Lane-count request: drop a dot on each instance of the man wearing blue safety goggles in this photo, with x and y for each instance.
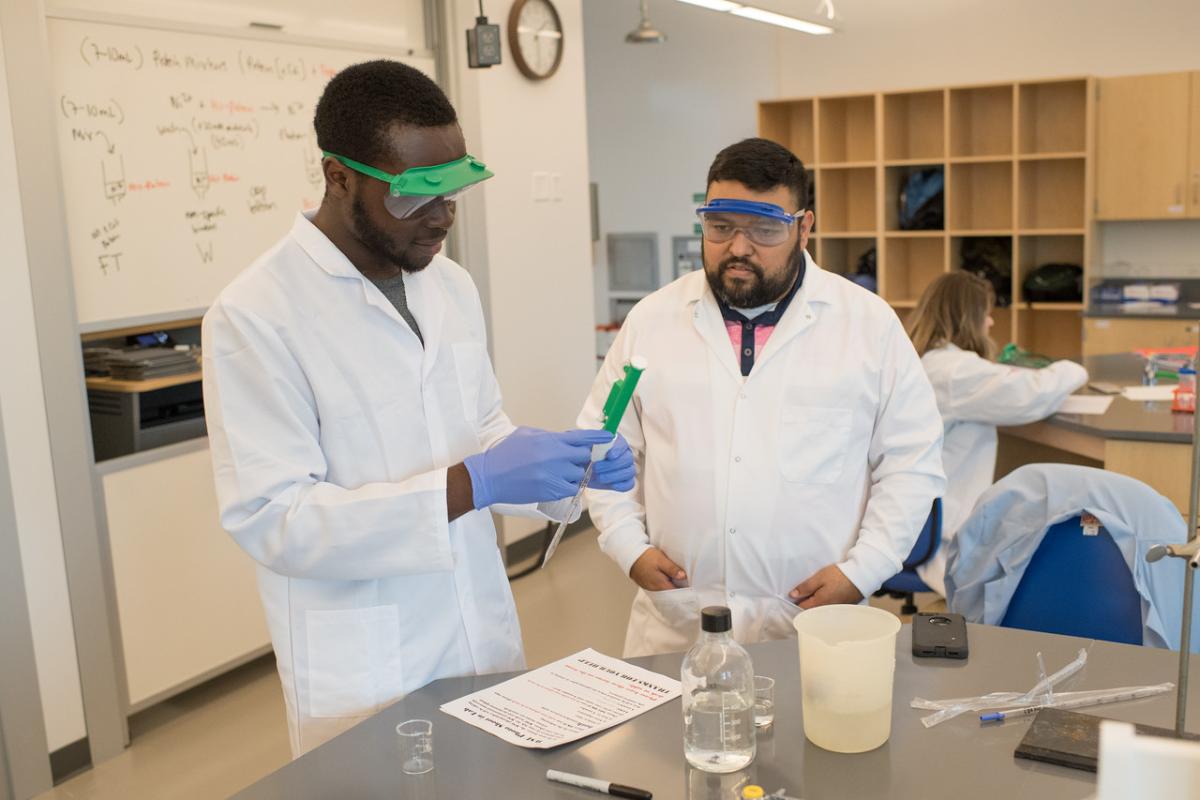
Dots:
(359, 444)
(788, 442)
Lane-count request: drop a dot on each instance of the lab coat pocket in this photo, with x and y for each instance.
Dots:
(353, 660)
(812, 443)
(676, 607)
(470, 362)
(780, 619)
(765, 619)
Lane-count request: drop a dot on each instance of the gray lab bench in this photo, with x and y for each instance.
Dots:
(960, 758)
(1144, 440)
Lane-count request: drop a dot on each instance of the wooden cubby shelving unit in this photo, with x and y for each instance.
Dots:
(1017, 159)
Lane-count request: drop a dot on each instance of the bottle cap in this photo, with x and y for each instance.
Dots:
(716, 619)
(752, 792)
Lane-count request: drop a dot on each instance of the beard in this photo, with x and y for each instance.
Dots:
(377, 241)
(756, 290)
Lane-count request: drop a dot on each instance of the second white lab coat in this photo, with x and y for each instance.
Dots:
(975, 395)
(332, 428)
(827, 453)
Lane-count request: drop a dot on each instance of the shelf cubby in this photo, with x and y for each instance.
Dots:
(1052, 116)
(1051, 194)
(1052, 332)
(981, 196)
(1017, 165)
(911, 264)
(846, 201)
(1034, 251)
(981, 121)
(893, 181)
(840, 254)
(846, 130)
(960, 252)
(914, 126)
(904, 311)
(1002, 329)
(790, 123)
(811, 205)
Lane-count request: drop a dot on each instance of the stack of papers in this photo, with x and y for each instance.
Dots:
(1089, 404)
(564, 701)
(1149, 393)
(95, 359)
(144, 363)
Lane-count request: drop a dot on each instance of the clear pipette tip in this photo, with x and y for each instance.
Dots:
(576, 507)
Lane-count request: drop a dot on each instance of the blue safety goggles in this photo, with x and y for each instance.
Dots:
(764, 224)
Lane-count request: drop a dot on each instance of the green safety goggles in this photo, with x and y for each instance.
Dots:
(415, 190)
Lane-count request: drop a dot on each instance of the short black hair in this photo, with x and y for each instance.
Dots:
(362, 101)
(761, 165)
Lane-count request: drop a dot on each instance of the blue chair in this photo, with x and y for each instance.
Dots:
(907, 583)
(1078, 585)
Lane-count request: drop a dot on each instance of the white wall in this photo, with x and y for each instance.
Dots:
(658, 113)
(1159, 249)
(22, 407)
(531, 259)
(887, 44)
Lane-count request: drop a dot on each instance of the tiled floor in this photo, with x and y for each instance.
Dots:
(220, 737)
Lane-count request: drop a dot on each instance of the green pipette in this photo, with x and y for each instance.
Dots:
(614, 408)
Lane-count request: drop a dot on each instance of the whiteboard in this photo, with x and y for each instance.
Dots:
(185, 156)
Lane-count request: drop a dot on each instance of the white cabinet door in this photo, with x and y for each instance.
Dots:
(186, 593)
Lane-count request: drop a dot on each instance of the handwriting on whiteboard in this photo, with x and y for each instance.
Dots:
(185, 155)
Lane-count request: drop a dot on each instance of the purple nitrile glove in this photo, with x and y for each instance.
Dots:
(615, 471)
(532, 466)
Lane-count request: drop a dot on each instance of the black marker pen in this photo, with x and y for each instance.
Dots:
(614, 789)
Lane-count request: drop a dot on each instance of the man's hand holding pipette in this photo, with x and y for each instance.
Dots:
(532, 466)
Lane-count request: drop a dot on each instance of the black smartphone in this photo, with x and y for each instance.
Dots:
(941, 635)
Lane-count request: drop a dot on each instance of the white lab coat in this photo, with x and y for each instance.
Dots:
(331, 430)
(975, 395)
(827, 453)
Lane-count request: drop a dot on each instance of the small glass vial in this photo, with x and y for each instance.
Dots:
(718, 697)
(1185, 393)
(1187, 379)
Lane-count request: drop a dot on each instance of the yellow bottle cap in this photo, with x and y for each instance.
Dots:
(752, 792)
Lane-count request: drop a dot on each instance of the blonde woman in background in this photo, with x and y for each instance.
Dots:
(949, 329)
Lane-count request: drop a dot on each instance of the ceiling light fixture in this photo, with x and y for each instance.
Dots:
(645, 33)
(762, 15)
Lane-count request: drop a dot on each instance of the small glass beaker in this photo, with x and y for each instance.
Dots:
(416, 746)
(764, 701)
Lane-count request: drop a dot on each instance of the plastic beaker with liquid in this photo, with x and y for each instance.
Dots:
(847, 667)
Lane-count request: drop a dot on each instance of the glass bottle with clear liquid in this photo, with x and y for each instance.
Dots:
(718, 697)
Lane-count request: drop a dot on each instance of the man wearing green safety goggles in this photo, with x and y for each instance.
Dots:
(358, 439)
(418, 189)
